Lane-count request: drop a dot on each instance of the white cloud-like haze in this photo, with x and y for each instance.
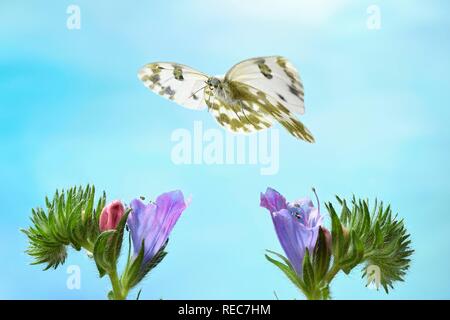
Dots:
(312, 13)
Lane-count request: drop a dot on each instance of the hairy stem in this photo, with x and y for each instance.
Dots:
(118, 292)
(332, 273)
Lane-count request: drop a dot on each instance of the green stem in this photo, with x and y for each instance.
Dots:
(322, 291)
(332, 273)
(118, 292)
(129, 251)
(317, 293)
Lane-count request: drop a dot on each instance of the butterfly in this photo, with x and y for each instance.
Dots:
(251, 95)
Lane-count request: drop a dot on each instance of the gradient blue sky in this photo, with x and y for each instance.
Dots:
(72, 111)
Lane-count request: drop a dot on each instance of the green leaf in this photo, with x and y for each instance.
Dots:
(102, 252)
(377, 238)
(108, 245)
(337, 235)
(287, 270)
(68, 219)
(131, 273)
(285, 260)
(321, 256)
(136, 270)
(355, 254)
(156, 260)
(111, 295)
(308, 273)
(345, 212)
(378, 235)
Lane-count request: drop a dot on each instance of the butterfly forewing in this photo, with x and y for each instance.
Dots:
(176, 82)
(275, 76)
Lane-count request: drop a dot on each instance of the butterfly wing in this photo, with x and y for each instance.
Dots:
(273, 84)
(269, 108)
(176, 82)
(275, 76)
(240, 116)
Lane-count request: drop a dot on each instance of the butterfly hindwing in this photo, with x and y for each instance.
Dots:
(275, 76)
(176, 82)
(240, 116)
(271, 108)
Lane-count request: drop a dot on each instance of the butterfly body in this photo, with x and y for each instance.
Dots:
(220, 88)
(252, 94)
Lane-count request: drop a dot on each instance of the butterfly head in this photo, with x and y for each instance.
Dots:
(214, 83)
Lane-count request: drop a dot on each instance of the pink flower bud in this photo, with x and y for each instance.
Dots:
(111, 215)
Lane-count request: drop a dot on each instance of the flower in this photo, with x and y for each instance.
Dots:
(296, 224)
(153, 223)
(111, 215)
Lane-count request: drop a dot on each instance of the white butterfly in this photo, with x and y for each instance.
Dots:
(252, 93)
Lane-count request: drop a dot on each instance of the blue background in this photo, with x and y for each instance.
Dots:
(72, 111)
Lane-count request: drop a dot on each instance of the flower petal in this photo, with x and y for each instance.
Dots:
(304, 203)
(294, 237)
(139, 222)
(272, 200)
(314, 218)
(169, 207)
(308, 215)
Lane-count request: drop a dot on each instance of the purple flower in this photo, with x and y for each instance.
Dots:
(296, 224)
(154, 222)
